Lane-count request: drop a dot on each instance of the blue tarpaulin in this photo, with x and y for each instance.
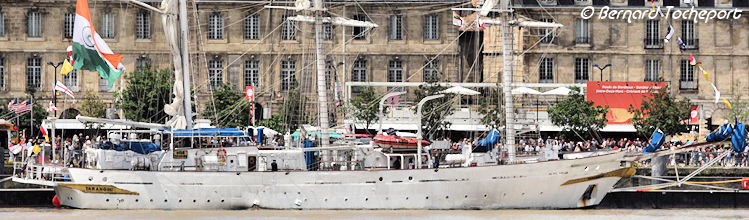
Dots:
(208, 132)
(135, 146)
(738, 139)
(490, 139)
(725, 132)
(656, 141)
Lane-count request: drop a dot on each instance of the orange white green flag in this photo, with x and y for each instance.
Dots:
(90, 52)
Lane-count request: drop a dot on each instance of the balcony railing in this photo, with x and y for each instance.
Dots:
(653, 43)
(582, 40)
(690, 44)
(687, 85)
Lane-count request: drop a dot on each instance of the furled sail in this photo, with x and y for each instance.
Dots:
(169, 20)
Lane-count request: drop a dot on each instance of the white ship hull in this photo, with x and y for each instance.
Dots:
(554, 184)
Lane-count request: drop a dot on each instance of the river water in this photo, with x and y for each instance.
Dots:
(629, 214)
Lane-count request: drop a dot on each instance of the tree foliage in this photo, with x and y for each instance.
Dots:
(662, 111)
(435, 111)
(231, 105)
(290, 115)
(146, 93)
(578, 118)
(491, 109)
(365, 107)
(92, 106)
(740, 107)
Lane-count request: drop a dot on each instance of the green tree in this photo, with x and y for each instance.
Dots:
(434, 112)
(491, 109)
(145, 95)
(275, 122)
(578, 118)
(231, 106)
(662, 111)
(92, 106)
(365, 107)
(290, 115)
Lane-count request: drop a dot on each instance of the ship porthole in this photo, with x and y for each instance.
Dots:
(208, 201)
(586, 168)
(447, 197)
(427, 197)
(326, 199)
(406, 197)
(465, 196)
(410, 178)
(345, 199)
(485, 195)
(380, 179)
(165, 200)
(151, 200)
(194, 200)
(386, 198)
(284, 193)
(107, 200)
(136, 200)
(180, 200)
(366, 199)
(222, 201)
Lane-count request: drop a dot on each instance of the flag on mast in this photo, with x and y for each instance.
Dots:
(51, 107)
(43, 128)
(62, 88)
(480, 23)
(692, 61)
(90, 52)
(457, 20)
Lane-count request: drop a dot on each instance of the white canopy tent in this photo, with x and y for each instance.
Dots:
(558, 91)
(460, 91)
(525, 90)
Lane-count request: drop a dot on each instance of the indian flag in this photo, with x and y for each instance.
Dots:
(90, 52)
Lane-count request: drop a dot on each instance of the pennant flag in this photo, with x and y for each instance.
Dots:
(652, 2)
(457, 20)
(661, 12)
(90, 52)
(480, 23)
(717, 93)
(704, 73)
(51, 107)
(670, 33)
(66, 67)
(23, 107)
(727, 103)
(682, 46)
(62, 88)
(43, 128)
(692, 61)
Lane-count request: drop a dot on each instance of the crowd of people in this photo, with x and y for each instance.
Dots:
(531, 145)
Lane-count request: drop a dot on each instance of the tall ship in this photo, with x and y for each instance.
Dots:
(178, 166)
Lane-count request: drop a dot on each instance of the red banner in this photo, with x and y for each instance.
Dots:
(693, 115)
(619, 96)
(250, 95)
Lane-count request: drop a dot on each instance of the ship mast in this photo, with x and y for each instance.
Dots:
(507, 79)
(322, 94)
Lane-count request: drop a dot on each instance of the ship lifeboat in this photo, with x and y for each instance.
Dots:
(398, 142)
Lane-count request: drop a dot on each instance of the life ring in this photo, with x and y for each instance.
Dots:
(221, 153)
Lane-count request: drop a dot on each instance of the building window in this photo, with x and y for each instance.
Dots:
(396, 27)
(546, 70)
(328, 74)
(359, 74)
(252, 73)
(431, 71)
(547, 34)
(688, 35)
(582, 34)
(395, 74)
(652, 32)
(2, 73)
(215, 73)
(34, 72)
(143, 25)
(327, 32)
(652, 68)
(142, 63)
(582, 70)
(431, 27)
(288, 74)
(686, 79)
(2, 24)
(360, 33)
(107, 25)
(34, 24)
(252, 27)
(215, 26)
(103, 85)
(68, 25)
(71, 80)
(288, 31)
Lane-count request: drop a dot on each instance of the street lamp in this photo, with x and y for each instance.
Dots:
(602, 68)
(54, 94)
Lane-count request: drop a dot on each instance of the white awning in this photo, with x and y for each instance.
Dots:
(608, 128)
(75, 124)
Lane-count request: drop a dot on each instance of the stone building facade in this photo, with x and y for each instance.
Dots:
(236, 42)
(636, 50)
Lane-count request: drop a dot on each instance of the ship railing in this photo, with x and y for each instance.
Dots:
(30, 170)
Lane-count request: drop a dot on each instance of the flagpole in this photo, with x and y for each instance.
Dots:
(31, 124)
